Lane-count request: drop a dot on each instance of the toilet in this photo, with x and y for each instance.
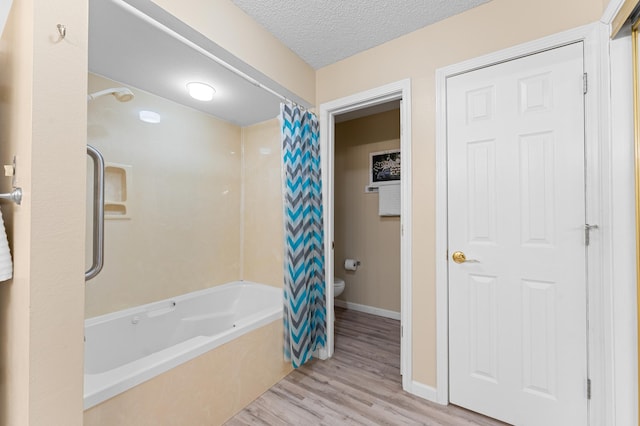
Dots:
(338, 286)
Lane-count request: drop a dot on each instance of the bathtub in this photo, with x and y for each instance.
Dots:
(128, 347)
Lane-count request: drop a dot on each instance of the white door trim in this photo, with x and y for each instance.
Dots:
(624, 242)
(611, 11)
(393, 91)
(598, 198)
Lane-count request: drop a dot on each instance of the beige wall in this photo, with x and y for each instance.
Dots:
(233, 30)
(43, 122)
(495, 25)
(207, 390)
(16, 75)
(184, 230)
(263, 236)
(359, 232)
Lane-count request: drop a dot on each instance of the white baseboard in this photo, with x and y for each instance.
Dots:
(423, 391)
(321, 353)
(367, 309)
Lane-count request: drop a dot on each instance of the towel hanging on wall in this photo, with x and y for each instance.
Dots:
(6, 266)
(389, 200)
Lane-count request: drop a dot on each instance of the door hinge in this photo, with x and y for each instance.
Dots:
(587, 233)
(585, 84)
(588, 388)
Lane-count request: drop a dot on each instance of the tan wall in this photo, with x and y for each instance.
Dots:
(359, 232)
(263, 236)
(184, 230)
(207, 390)
(233, 30)
(495, 25)
(16, 75)
(43, 117)
(43, 122)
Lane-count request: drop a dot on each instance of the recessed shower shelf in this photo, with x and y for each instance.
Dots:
(116, 209)
(117, 188)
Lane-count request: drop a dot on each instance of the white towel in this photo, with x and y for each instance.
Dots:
(6, 267)
(389, 201)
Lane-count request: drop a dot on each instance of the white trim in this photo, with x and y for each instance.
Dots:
(611, 11)
(622, 220)
(367, 309)
(400, 90)
(598, 202)
(321, 353)
(423, 391)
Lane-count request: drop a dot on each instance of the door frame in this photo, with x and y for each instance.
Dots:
(598, 210)
(400, 90)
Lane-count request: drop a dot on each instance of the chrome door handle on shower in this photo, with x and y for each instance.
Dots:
(98, 213)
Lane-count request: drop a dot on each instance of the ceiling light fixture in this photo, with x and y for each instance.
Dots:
(200, 91)
(149, 117)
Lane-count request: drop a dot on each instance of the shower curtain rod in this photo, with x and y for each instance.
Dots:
(203, 51)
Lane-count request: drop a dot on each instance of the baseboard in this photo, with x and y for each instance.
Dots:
(321, 353)
(423, 391)
(367, 309)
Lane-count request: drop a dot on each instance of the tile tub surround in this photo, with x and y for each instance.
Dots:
(207, 390)
(175, 241)
(126, 348)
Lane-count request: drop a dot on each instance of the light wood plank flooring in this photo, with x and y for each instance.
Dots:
(359, 385)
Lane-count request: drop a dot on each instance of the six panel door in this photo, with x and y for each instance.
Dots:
(516, 203)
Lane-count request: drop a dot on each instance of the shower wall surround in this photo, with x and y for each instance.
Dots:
(263, 239)
(184, 229)
(205, 208)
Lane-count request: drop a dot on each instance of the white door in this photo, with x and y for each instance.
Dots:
(516, 203)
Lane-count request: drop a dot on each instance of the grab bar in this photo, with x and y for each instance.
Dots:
(98, 213)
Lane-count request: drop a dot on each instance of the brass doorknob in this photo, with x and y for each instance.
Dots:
(459, 257)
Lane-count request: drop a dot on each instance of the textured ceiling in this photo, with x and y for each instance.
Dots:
(322, 32)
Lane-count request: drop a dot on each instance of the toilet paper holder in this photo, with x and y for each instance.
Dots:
(351, 264)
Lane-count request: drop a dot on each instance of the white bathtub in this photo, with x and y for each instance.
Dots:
(126, 348)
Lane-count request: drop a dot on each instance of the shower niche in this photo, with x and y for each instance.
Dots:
(117, 187)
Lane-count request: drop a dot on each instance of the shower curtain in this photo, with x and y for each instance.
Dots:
(304, 281)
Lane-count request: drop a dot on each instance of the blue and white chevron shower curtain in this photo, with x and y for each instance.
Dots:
(304, 283)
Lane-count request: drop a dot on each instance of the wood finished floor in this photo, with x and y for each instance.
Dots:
(359, 385)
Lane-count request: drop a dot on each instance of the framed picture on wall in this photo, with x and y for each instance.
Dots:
(384, 167)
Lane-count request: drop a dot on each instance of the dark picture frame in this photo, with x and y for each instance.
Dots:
(384, 167)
